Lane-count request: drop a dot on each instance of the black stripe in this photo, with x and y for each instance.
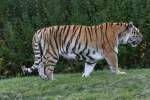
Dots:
(51, 56)
(54, 56)
(55, 38)
(75, 45)
(37, 58)
(76, 41)
(118, 23)
(67, 34)
(34, 38)
(44, 42)
(90, 58)
(52, 47)
(52, 62)
(39, 31)
(35, 44)
(62, 39)
(102, 36)
(44, 30)
(88, 52)
(89, 33)
(101, 32)
(90, 63)
(32, 68)
(96, 38)
(83, 57)
(94, 52)
(86, 42)
(106, 35)
(80, 30)
(52, 31)
(37, 63)
(112, 24)
(74, 28)
(59, 37)
(40, 47)
(70, 41)
(79, 46)
(57, 30)
(121, 24)
(88, 55)
(64, 29)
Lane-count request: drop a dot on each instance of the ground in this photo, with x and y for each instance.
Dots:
(101, 85)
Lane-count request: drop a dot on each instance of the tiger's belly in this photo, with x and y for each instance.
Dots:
(97, 56)
(88, 55)
(69, 56)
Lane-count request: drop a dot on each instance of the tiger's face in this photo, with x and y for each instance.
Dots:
(132, 35)
(135, 37)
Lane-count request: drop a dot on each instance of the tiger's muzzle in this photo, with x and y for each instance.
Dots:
(135, 40)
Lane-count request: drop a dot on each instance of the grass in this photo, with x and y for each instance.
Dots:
(101, 85)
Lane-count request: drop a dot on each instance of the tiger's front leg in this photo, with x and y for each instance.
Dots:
(112, 60)
(88, 69)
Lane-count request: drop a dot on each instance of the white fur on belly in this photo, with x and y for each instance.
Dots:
(97, 55)
(69, 56)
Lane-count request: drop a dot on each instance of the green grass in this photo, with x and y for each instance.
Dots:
(101, 85)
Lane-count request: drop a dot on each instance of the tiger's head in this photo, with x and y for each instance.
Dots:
(131, 35)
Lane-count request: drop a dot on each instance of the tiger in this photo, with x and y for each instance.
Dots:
(88, 43)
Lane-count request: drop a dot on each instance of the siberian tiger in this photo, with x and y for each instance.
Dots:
(89, 43)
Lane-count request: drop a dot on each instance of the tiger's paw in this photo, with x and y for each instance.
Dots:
(44, 77)
(121, 73)
(85, 75)
(118, 72)
(49, 73)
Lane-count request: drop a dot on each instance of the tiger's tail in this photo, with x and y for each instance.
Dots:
(37, 49)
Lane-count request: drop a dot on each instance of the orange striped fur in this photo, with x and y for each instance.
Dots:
(90, 43)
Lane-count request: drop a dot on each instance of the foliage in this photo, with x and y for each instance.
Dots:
(101, 85)
(19, 19)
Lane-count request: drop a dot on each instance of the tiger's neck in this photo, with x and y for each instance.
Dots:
(119, 30)
(108, 35)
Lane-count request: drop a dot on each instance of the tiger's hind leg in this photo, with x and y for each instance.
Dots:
(49, 64)
(41, 71)
(88, 69)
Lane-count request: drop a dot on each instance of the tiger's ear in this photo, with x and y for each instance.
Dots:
(130, 25)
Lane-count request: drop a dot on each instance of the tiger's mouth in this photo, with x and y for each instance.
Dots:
(136, 43)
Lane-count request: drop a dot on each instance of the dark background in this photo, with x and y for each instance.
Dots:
(19, 19)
